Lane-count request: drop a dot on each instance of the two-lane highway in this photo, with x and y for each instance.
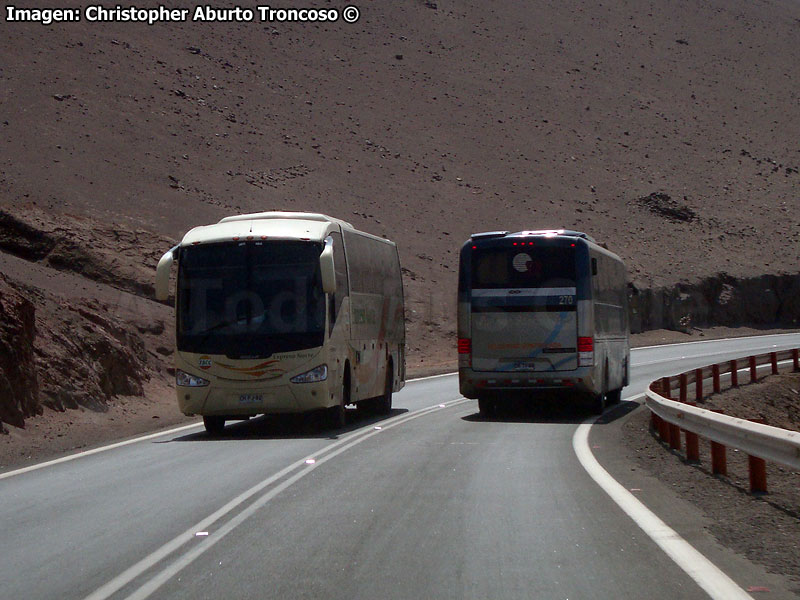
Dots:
(434, 502)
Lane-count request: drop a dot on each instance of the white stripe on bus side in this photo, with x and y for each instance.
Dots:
(483, 293)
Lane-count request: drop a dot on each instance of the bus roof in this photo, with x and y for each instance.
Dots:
(274, 214)
(272, 225)
(537, 232)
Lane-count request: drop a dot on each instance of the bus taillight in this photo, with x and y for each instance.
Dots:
(585, 351)
(465, 352)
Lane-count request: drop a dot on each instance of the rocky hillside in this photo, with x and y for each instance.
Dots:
(666, 128)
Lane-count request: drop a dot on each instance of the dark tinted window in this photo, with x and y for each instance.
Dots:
(373, 266)
(609, 293)
(340, 264)
(523, 267)
(250, 298)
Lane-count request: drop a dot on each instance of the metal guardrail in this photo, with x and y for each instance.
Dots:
(759, 441)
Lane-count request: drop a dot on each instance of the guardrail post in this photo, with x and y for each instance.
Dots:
(692, 444)
(753, 375)
(665, 387)
(684, 383)
(758, 475)
(655, 422)
(715, 378)
(719, 459)
(719, 455)
(692, 447)
(734, 374)
(698, 384)
(663, 430)
(674, 437)
(757, 468)
(796, 359)
(773, 358)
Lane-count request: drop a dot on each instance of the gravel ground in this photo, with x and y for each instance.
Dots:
(763, 527)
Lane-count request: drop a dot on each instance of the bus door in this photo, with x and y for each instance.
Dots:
(523, 306)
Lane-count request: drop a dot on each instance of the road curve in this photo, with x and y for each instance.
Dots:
(433, 502)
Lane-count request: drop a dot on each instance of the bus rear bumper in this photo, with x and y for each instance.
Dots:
(474, 384)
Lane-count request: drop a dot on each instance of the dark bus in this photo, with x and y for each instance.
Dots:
(541, 311)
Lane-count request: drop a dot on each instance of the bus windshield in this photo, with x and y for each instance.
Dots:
(250, 299)
(523, 267)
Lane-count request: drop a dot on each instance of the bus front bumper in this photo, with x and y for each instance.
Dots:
(242, 400)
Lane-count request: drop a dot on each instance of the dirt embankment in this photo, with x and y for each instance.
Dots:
(121, 257)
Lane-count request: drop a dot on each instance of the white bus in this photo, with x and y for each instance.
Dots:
(541, 313)
(283, 312)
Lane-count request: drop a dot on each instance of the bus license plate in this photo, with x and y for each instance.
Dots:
(526, 365)
(250, 398)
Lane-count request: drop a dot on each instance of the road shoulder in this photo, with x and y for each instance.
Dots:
(713, 515)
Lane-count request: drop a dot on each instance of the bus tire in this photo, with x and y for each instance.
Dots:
(615, 396)
(599, 403)
(487, 406)
(383, 404)
(366, 407)
(336, 417)
(214, 425)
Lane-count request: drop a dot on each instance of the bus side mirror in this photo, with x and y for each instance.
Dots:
(162, 274)
(327, 269)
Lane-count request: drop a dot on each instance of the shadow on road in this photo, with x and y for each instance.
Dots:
(266, 427)
(543, 411)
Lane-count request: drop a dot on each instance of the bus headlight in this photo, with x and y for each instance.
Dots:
(184, 379)
(316, 374)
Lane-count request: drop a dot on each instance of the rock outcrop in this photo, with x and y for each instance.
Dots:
(121, 257)
(19, 387)
(761, 301)
(86, 356)
(65, 353)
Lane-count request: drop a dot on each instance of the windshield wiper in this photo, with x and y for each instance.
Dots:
(207, 333)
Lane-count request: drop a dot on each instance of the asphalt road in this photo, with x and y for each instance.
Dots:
(433, 502)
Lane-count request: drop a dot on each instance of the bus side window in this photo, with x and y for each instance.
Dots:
(594, 266)
(342, 287)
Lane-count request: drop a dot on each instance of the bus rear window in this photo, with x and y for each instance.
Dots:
(523, 267)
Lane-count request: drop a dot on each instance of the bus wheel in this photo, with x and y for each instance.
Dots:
(365, 407)
(383, 405)
(599, 403)
(487, 406)
(214, 425)
(614, 396)
(336, 415)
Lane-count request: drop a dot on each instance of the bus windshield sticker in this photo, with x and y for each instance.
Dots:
(522, 262)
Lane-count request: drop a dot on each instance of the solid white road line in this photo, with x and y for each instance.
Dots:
(306, 466)
(705, 573)
(70, 457)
